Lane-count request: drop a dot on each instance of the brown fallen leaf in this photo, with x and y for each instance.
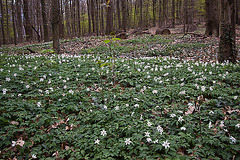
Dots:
(190, 111)
(15, 122)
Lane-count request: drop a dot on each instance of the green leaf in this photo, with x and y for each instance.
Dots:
(107, 41)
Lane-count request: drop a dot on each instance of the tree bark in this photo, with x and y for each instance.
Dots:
(61, 23)
(102, 18)
(227, 44)
(19, 21)
(141, 13)
(212, 19)
(89, 17)
(78, 19)
(173, 13)
(2, 22)
(7, 19)
(27, 24)
(92, 15)
(73, 17)
(97, 17)
(164, 15)
(44, 19)
(13, 23)
(160, 19)
(67, 17)
(118, 14)
(109, 17)
(55, 24)
(154, 12)
(124, 15)
(238, 12)
(186, 18)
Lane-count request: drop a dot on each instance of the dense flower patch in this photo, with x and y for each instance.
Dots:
(100, 107)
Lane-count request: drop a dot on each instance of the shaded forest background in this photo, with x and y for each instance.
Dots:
(31, 20)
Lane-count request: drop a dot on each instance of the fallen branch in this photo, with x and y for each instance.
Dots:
(32, 51)
(194, 34)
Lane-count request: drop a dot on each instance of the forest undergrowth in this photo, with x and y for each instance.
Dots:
(146, 97)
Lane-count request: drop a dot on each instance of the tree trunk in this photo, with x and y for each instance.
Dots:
(67, 18)
(61, 23)
(97, 17)
(118, 14)
(212, 19)
(7, 19)
(141, 14)
(124, 15)
(13, 23)
(2, 22)
(27, 24)
(78, 19)
(19, 21)
(109, 17)
(227, 44)
(92, 15)
(55, 24)
(160, 19)
(186, 16)
(164, 15)
(238, 12)
(173, 13)
(102, 18)
(89, 17)
(154, 12)
(44, 19)
(73, 18)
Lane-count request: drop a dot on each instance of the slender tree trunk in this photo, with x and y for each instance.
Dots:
(118, 14)
(109, 17)
(141, 14)
(7, 19)
(177, 11)
(227, 44)
(238, 12)
(173, 13)
(97, 17)
(92, 15)
(124, 15)
(154, 12)
(44, 19)
(164, 15)
(146, 15)
(73, 17)
(135, 14)
(102, 18)
(19, 21)
(55, 24)
(61, 24)
(212, 19)
(67, 17)
(2, 22)
(160, 18)
(13, 23)
(89, 17)
(191, 10)
(186, 18)
(78, 19)
(27, 24)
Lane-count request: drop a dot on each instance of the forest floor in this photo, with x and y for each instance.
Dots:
(145, 97)
(193, 45)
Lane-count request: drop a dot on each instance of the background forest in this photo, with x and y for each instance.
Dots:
(30, 20)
